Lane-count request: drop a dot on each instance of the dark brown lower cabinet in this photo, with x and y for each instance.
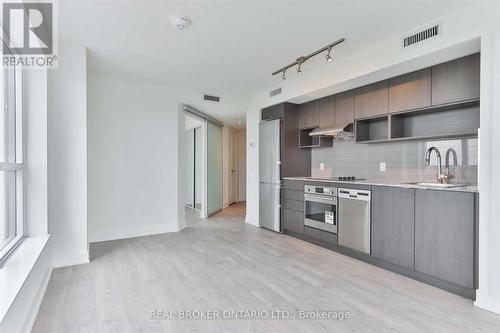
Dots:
(293, 221)
(444, 235)
(323, 236)
(393, 225)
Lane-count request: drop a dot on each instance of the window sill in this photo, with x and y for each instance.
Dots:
(17, 268)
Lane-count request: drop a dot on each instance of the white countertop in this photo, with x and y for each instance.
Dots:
(469, 188)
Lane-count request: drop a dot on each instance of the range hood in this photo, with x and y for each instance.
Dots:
(337, 131)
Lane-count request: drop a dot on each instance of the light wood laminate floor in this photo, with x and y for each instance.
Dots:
(222, 263)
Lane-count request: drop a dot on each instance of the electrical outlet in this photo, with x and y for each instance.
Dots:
(382, 166)
(322, 166)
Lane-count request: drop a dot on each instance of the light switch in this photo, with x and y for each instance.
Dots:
(382, 166)
(322, 166)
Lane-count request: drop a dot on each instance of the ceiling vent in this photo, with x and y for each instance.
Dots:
(211, 98)
(421, 36)
(275, 92)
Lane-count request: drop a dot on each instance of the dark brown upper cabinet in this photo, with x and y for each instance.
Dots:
(327, 111)
(371, 100)
(273, 111)
(344, 107)
(410, 91)
(456, 80)
(309, 114)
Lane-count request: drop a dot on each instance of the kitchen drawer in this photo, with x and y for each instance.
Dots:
(293, 221)
(294, 195)
(294, 205)
(321, 235)
(297, 185)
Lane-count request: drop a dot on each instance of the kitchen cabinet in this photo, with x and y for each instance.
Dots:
(371, 100)
(410, 91)
(295, 185)
(293, 221)
(295, 162)
(324, 237)
(309, 114)
(293, 206)
(456, 80)
(393, 233)
(327, 111)
(273, 112)
(444, 235)
(344, 107)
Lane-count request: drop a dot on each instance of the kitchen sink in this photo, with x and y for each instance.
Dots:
(438, 185)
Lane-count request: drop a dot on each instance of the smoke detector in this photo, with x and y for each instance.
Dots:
(180, 22)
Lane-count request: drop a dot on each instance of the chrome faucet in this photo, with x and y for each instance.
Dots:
(440, 177)
(447, 162)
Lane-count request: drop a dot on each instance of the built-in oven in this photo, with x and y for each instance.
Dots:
(320, 207)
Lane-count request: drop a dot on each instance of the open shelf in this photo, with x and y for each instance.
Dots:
(461, 120)
(373, 129)
(307, 141)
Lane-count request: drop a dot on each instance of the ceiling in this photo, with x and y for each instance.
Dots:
(231, 46)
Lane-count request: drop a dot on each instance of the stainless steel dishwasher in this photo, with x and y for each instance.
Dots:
(354, 219)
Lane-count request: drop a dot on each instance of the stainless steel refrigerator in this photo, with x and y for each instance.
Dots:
(270, 174)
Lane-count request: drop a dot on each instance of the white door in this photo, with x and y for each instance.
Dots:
(232, 162)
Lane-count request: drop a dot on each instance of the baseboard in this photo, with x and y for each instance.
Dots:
(488, 299)
(70, 259)
(107, 235)
(251, 222)
(37, 303)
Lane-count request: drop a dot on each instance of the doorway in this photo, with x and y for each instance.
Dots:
(194, 161)
(202, 164)
(234, 168)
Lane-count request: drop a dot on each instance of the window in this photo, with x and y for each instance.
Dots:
(11, 162)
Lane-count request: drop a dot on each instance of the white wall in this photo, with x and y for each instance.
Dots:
(67, 156)
(133, 155)
(242, 157)
(462, 32)
(488, 295)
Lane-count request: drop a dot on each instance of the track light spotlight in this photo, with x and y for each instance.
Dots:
(328, 56)
(300, 61)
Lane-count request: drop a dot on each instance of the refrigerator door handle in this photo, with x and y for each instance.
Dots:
(277, 172)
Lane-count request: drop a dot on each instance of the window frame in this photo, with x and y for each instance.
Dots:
(14, 160)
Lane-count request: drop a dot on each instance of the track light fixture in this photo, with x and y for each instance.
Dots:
(328, 55)
(303, 59)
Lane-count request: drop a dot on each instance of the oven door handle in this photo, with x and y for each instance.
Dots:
(320, 199)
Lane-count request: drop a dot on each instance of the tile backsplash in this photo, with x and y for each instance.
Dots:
(405, 161)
